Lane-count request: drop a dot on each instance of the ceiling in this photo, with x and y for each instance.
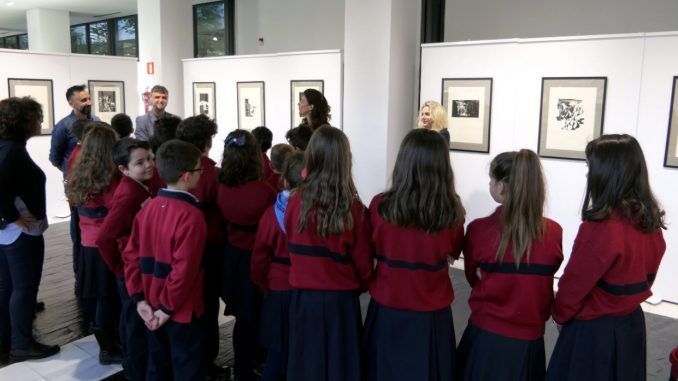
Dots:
(13, 12)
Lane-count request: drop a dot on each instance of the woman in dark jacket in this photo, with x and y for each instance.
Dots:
(22, 222)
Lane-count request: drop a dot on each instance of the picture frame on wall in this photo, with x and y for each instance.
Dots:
(251, 105)
(108, 98)
(204, 99)
(571, 115)
(671, 153)
(468, 103)
(297, 88)
(42, 91)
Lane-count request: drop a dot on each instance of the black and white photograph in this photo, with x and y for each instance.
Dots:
(251, 112)
(671, 154)
(108, 98)
(572, 111)
(297, 88)
(204, 99)
(465, 108)
(468, 102)
(41, 90)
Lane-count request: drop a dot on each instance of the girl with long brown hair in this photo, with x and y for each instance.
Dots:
(91, 187)
(614, 262)
(510, 258)
(328, 235)
(418, 228)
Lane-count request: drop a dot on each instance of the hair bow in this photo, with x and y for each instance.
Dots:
(238, 141)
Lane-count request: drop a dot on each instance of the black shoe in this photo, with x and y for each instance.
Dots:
(215, 372)
(36, 351)
(108, 357)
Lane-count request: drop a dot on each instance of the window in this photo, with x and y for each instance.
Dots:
(15, 42)
(213, 29)
(117, 37)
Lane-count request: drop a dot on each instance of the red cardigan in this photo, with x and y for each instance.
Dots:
(412, 266)
(510, 301)
(610, 271)
(270, 268)
(241, 208)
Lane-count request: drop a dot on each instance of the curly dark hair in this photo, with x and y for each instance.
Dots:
(164, 129)
(94, 167)
(264, 136)
(242, 159)
(197, 130)
(298, 137)
(19, 117)
(320, 114)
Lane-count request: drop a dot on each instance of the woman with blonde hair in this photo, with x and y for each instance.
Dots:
(433, 116)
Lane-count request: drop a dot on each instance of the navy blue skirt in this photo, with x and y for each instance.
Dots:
(606, 348)
(241, 295)
(325, 330)
(484, 355)
(408, 345)
(275, 322)
(94, 279)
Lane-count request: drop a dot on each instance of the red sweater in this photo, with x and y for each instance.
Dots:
(164, 255)
(270, 260)
(412, 265)
(674, 363)
(510, 301)
(274, 180)
(338, 262)
(267, 165)
(241, 208)
(92, 215)
(610, 271)
(128, 199)
(206, 193)
(72, 158)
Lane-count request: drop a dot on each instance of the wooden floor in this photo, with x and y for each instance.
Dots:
(63, 320)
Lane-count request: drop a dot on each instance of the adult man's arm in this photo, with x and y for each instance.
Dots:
(58, 145)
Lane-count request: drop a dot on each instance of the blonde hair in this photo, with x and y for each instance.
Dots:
(438, 114)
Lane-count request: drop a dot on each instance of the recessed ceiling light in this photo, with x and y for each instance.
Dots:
(9, 3)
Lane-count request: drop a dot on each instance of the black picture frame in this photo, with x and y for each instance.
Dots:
(45, 98)
(212, 106)
(242, 102)
(295, 85)
(671, 152)
(100, 110)
(461, 128)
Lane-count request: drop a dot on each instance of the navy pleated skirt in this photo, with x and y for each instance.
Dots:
(274, 326)
(408, 345)
(94, 279)
(325, 331)
(241, 295)
(606, 348)
(484, 355)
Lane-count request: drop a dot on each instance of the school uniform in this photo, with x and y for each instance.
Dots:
(610, 272)
(241, 208)
(327, 274)
(267, 165)
(96, 283)
(270, 272)
(206, 193)
(275, 180)
(163, 267)
(504, 339)
(409, 333)
(129, 198)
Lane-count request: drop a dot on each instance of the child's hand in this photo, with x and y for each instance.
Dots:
(161, 318)
(145, 311)
(24, 221)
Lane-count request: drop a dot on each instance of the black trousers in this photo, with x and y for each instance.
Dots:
(20, 274)
(175, 350)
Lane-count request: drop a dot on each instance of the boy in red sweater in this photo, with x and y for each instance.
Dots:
(162, 267)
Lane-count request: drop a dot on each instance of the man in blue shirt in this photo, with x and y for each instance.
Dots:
(63, 140)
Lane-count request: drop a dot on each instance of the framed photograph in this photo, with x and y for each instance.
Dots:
(671, 154)
(108, 98)
(251, 105)
(468, 102)
(42, 91)
(296, 91)
(571, 115)
(204, 99)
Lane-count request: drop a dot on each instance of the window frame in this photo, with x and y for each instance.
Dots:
(111, 25)
(3, 44)
(229, 26)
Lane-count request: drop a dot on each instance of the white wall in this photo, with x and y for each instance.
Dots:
(276, 70)
(288, 26)
(64, 70)
(491, 19)
(639, 69)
